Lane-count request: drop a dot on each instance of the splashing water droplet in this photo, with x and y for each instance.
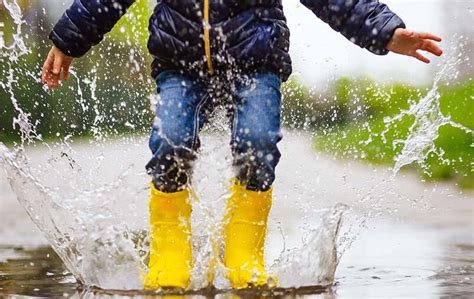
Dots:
(428, 119)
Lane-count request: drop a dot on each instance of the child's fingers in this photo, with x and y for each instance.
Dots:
(47, 69)
(427, 35)
(420, 57)
(58, 63)
(66, 73)
(66, 67)
(431, 47)
(57, 66)
(50, 79)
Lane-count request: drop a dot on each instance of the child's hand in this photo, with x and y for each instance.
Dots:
(55, 62)
(407, 42)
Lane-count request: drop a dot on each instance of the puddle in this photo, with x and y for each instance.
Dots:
(428, 258)
(34, 272)
(391, 260)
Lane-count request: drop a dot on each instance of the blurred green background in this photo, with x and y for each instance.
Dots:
(108, 101)
(359, 136)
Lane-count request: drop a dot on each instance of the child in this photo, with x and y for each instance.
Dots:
(205, 52)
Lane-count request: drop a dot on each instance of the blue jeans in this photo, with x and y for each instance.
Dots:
(184, 104)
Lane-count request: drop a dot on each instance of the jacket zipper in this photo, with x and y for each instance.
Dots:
(207, 42)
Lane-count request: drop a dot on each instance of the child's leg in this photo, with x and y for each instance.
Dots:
(256, 132)
(174, 138)
(173, 142)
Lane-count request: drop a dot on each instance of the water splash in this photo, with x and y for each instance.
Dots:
(91, 205)
(320, 267)
(13, 52)
(18, 47)
(428, 119)
(84, 223)
(71, 191)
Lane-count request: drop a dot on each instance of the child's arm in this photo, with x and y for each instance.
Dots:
(82, 26)
(372, 25)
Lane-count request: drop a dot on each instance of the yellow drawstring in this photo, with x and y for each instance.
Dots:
(207, 42)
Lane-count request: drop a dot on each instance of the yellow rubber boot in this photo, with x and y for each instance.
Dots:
(170, 260)
(245, 230)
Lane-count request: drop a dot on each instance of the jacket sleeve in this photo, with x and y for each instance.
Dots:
(84, 24)
(367, 23)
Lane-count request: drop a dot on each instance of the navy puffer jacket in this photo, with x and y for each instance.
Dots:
(212, 36)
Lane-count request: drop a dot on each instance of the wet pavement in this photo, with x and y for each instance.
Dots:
(422, 246)
(411, 262)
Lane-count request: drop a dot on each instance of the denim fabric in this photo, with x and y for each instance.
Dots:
(183, 108)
